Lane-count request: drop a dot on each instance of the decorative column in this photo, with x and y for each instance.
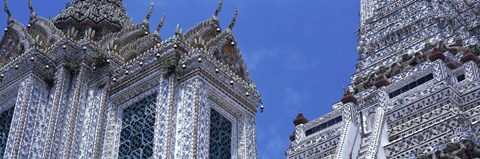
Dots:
(377, 132)
(164, 119)
(441, 71)
(56, 99)
(93, 124)
(18, 120)
(375, 138)
(202, 127)
(343, 143)
(80, 103)
(57, 142)
(100, 127)
(75, 104)
(112, 127)
(31, 99)
(187, 125)
(349, 112)
(37, 115)
(251, 137)
(471, 71)
(299, 135)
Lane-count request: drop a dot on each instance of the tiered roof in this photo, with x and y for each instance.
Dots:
(105, 27)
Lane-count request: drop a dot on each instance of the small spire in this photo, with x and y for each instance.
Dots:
(219, 8)
(232, 24)
(177, 28)
(32, 11)
(149, 14)
(5, 7)
(160, 25)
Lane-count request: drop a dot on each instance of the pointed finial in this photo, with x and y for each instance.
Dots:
(300, 119)
(160, 25)
(149, 14)
(32, 11)
(178, 31)
(232, 24)
(219, 8)
(5, 7)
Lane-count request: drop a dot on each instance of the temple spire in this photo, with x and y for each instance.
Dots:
(149, 14)
(32, 11)
(5, 7)
(160, 25)
(219, 8)
(232, 24)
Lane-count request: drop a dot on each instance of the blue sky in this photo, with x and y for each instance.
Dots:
(300, 53)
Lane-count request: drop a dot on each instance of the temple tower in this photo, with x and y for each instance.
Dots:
(89, 83)
(414, 94)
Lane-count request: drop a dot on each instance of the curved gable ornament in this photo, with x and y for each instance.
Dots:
(15, 40)
(225, 50)
(206, 30)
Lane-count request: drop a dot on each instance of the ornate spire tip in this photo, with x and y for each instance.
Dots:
(149, 14)
(234, 20)
(219, 8)
(160, 25)
(5, 7)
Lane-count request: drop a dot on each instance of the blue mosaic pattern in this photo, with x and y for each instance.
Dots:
(220, 136)
(136, 138)
(5, 121)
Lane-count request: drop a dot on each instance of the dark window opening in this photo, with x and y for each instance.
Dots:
(323, 125)
(220, 136)
(461, 78)
(411, 85)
